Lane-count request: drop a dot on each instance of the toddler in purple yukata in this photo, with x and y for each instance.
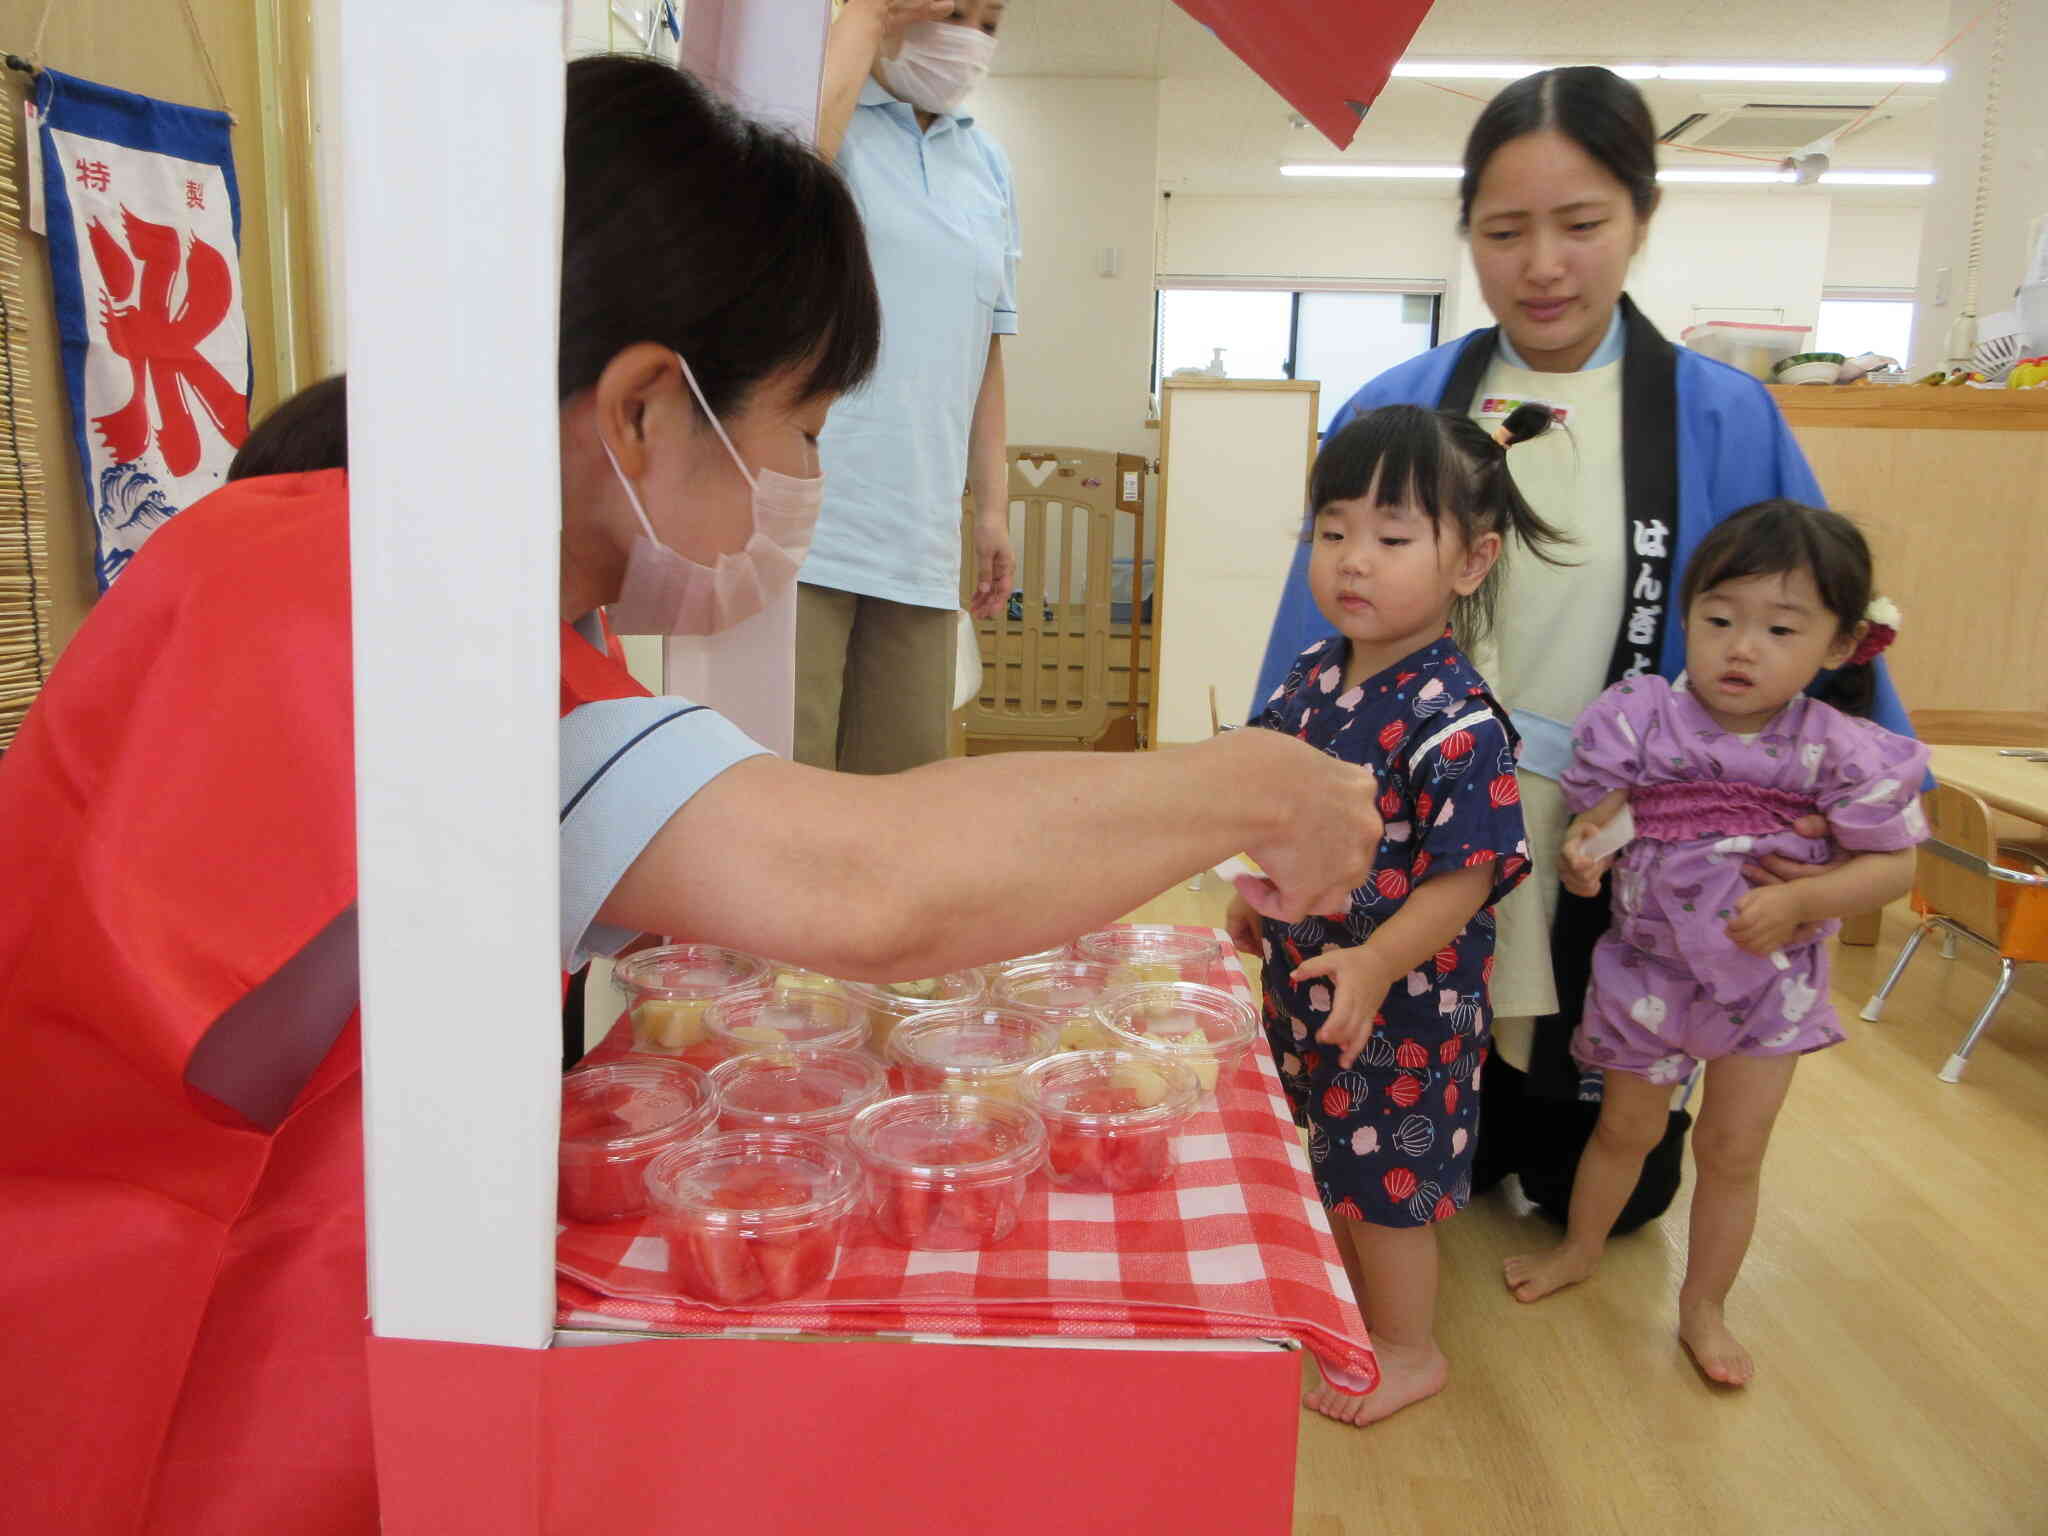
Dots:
(1699, 966)
(1377, 1017)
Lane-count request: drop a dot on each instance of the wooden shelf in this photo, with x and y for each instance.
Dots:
(1912, 406)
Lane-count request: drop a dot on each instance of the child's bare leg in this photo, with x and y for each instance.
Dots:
(1394, 1270)
(1743, 1096)
(1634, 1113)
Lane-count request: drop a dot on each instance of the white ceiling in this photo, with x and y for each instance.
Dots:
(1223, 131)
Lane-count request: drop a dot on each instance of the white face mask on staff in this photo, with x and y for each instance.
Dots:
(667, 593)
(939, 65)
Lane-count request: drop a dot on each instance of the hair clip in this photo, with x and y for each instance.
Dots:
(1883, 617)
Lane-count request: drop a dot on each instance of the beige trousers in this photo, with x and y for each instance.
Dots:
(874, 681)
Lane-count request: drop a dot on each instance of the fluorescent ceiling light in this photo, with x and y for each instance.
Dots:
(1777, 74)
(1759, 178)
(1376, 172)
(1684, 175)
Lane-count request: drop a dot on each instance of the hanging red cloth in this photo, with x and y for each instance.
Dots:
(1330, 61)
(182, 1348)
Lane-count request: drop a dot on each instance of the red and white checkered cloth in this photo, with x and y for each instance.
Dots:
(1237, 1246)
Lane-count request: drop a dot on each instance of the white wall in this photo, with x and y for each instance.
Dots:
(2018, 164)
(1084, 153)
(1381, 238)
(1874, 246)
(1720, 250)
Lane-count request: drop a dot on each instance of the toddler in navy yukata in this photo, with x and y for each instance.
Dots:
(1378, 1018)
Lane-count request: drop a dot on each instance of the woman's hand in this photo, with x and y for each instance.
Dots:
(995, 564)
(896, 15)
(1322, 848)
(1242, 924)
(1769, 918)
(1776, 869)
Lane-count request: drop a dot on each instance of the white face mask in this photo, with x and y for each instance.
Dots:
(939, 65)
(666, 593)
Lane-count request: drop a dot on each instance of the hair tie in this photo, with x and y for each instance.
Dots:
(1883, 617)
(1504, 437)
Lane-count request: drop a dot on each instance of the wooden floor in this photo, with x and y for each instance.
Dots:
(1896, 1299)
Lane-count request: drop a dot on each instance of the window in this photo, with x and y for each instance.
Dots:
(1865, 324)
(1341, 337)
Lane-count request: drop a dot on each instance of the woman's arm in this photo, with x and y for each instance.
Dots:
(851, 48)
(1768, 917)
(988, 476)
(976, 859)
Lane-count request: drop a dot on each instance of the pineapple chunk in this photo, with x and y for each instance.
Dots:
(795, 983)
(760, 1034)
(1142, 1083)
(927, 988)
(1083, 1034)
(671, 1024)
(1143, 973)
(1192, 1049)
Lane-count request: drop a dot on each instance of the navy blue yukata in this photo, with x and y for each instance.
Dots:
(1391, 1138)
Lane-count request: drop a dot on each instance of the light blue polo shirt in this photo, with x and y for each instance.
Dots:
(942, 236)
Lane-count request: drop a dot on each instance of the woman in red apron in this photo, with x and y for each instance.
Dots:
(181, 1223)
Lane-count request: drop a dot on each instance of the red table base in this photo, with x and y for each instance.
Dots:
(832, 1436)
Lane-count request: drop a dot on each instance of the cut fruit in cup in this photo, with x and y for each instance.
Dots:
(670, 990)
(771, 1021)
(753, 1217)
(1205, 1029)
(887, 1005)
(813, 1089)
(1146, 954)
(947, 1171)
(1111, 1117)
(615, 1118)
(983, 1049)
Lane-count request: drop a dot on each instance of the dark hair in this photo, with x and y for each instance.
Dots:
(687, 224)
(1449, 466)
(1783, 536)
(307, 432)
(1593, 107)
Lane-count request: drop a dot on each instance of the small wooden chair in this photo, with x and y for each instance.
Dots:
(1967, 886)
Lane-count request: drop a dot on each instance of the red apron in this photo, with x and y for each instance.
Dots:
(183, 1289)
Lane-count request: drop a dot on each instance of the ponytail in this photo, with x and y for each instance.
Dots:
(1498, 506)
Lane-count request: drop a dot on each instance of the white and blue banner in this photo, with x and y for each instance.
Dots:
(144, 223)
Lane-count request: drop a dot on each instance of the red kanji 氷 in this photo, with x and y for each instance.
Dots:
(195, 195)
(92, 175)
(162, 348)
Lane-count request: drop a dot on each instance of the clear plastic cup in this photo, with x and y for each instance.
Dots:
(947, 1170)
(1147, 953)
(812, 1089)
(615, 1118)
(1069, 992)
(753, 1216)
(1111, 1117)
(794, 981)
(982, 1050)
(768, 1021)
(670, 989)
(1204, 1028)
(888, 1004)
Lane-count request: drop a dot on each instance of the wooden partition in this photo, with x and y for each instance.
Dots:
(1951, 486)
(1234, 458)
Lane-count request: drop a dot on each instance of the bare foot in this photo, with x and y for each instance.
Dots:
(1533, 1276)
(1406, 1376)
(1714, 1349)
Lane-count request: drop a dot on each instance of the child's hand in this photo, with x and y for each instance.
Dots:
(1360, 986)
(1581, 875)
(1768, 918)
(1242, 923)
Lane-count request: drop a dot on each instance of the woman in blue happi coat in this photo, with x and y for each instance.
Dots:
(1660, 444)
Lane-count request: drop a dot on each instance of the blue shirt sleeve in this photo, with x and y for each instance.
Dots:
(1005, 321)
(627, 765)
(1467, 803)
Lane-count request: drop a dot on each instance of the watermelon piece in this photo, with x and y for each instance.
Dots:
(986, 1213)
(1074, 1157)
(591, 1189)
(904, 1212)
(795, 1264)
(1142, 1161)
(718, 1265)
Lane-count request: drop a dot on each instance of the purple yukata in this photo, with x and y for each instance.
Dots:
(1670, 989)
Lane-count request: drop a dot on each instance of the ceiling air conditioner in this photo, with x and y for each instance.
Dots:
(1776, 125)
